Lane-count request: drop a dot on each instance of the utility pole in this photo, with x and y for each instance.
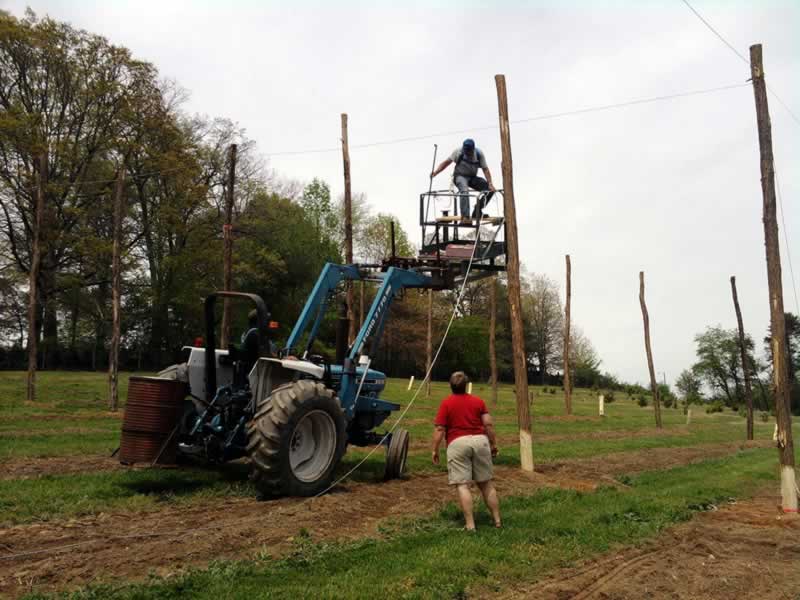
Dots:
(429, 345)
(227, 256)
(113, 355)
(348, 226)
(748, 392)
(777, 319)
(567, 381)
(653, 383)
(33, 282)
(514, 293)
(493, 336)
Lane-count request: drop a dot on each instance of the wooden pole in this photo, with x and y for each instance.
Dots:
(113, 355)
(748, 392)
(653, 382)
(493, 337)
(227, 257)
(429, 345)
(348, 226)
(780, 375)
(361, 307)
(514, 292)
(33, 281)
(567, 381)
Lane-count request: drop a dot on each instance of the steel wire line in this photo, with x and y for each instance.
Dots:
(741, 56)
(543, 117)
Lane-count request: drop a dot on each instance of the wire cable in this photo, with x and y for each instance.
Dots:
(543, 117)
(788, 247)
(741, 56)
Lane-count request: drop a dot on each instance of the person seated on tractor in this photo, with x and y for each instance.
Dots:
(468, 159)
(250, 348)
(471, 443)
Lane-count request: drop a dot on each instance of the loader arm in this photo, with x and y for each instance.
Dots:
(394, 280)
(317, 303)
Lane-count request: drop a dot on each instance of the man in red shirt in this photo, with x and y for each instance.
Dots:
(471, 444)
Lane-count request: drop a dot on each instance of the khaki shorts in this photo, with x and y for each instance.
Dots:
(469, 458)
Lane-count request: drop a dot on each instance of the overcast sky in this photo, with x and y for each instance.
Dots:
(671, 188)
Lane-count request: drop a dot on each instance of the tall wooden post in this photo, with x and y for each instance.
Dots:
(567, 381)
(493, 336)
(348, 226)
(361, 306)
(227, 257)
(33, 281)
(514, 293)
(748, 392)
(429, 345)
(653, 382)
(780, 375)
(113, 355)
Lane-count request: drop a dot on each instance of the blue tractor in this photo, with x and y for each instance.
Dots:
(292, 413)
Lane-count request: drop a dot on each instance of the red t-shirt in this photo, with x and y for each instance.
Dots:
(460, 414)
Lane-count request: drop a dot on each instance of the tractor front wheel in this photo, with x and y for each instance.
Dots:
(296, 439)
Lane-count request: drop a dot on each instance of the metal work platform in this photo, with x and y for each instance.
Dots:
(448, 240)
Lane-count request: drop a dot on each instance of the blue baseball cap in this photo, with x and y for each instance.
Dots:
(469, 145)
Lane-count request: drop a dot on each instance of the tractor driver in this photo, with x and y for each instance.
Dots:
(468, 159)
(471, 444)
(251, 347)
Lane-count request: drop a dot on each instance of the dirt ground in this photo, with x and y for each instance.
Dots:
(744, 550)
(71, 553)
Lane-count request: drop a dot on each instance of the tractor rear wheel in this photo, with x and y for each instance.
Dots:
(296, 439)
(396, 455)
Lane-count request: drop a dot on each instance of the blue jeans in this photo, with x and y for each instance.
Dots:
(464, 183)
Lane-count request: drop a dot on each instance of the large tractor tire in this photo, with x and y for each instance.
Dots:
(396, 455)
(296, 439)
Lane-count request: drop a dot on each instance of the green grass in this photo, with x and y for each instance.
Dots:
(432, 558)
(70, 418)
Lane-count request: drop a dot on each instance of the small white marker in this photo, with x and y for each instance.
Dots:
(410, 383)
(469, 387)
(601, 405)
(688, 416)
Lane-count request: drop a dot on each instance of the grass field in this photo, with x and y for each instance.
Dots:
(420, 556)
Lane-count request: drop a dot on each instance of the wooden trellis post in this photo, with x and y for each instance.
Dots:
(514, 293)
(748, 392)
(227, 253)
(33, 281)
(113, 355)
(567, 382)
(780, 363)
(653, 382)
(348, 227)
(493, 336)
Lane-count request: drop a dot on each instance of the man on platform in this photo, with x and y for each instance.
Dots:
(468, 159)
(471, 443)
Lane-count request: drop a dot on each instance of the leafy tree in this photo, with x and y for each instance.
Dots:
(376, 243)
(792, 357)
(719, 362)
(690, 386)
(544, 323)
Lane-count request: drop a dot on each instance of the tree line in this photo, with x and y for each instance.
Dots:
(718, 377)
(95, 110)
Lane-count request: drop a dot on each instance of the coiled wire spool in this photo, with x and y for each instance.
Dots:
(152, 413)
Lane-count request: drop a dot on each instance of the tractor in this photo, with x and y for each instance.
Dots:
(293, 414)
